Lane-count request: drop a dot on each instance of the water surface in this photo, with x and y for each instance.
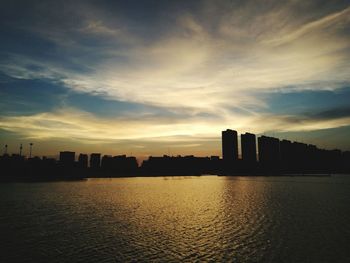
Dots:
(177, 219)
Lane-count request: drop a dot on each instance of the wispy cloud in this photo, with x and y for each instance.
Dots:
(329, 23)
(83, 126)
(198, 63)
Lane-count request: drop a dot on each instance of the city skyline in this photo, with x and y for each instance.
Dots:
(30, 149)
(247, 147)
(258, 156)
(150, 78)
(174, 130)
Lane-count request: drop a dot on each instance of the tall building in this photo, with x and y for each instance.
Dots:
(300, 155)
(286, 153)
(229, 145)
(83, 160)
(67, 158)
(248, 144)
(95, 160)
(269, 150)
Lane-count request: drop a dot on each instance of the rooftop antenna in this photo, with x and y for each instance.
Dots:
(20, 150)
(30, 149)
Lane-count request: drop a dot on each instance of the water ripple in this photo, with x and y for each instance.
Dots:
(200, 219)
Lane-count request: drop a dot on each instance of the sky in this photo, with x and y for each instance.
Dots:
(166, 77)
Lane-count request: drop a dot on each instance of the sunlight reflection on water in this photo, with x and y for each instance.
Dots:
(172, 219)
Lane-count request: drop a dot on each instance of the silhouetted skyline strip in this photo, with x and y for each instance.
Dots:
(270, 156)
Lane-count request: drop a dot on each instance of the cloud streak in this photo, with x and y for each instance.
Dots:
(83, 126)
(213, 60)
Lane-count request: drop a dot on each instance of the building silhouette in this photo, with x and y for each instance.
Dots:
(83, 160)
(95, 160)
(67, 158)
(119, 165)
(286, 155)
(345, 160)
(229, 145)
(107, 162)
(248, 145)
(269, 152)
(177, 165)
(275, 158)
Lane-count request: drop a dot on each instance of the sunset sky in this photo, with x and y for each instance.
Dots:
(165, 77)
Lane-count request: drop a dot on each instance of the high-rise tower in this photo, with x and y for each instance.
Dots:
(229, 145)
(248, 144)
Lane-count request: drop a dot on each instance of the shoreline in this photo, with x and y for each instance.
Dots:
(58, 179)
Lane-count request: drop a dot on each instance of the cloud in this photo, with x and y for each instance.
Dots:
(85, 127)
(335, 113)
(213, 61)
(192, 61)
(331, 22)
